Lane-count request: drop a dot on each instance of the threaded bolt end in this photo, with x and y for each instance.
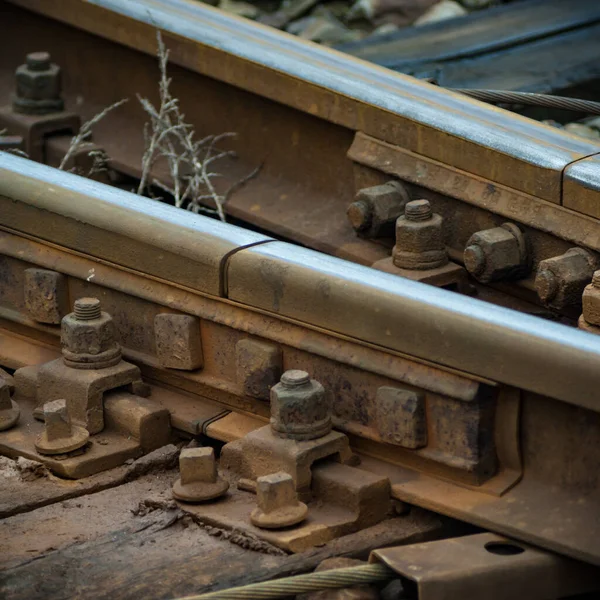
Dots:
(360, 214)
(38, 61)
(418, 210)
(474, 258)
(596, 279)
(546, 284)
(294, 378)
(87, 309)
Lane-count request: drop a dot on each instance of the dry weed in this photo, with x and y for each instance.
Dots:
(82, 139)
(190, 161)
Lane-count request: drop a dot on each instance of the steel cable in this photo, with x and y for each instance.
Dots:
(530, 99)
(299, 584)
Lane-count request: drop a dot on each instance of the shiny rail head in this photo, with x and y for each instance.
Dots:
(408, 103)
(118, 226)
(419, 320)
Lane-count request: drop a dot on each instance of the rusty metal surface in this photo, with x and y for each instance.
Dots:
(487, 566)
(359, 332)
(431, 388)
(408, 317)
(442, 177)
(294, 136)
(478, 138)
(581, 190)
(119, 226)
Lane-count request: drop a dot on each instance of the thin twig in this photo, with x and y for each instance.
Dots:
(85, 131)
(169, 137)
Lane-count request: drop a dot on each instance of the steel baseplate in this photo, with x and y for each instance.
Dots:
(341, 498)
(487, 566)
(134, 426)
(344, 500)
(94, 419)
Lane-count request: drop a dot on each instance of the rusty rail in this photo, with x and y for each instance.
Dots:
(507, 417)
(507, 398)
(323, 125)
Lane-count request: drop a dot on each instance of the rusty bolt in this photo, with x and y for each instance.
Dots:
(300, 409)
(591, 301)
(375, 209)
(9, 409)
(419, 238)
(278, 504)
(60, 435)
(560, 280)
(199, 480)
(88, 337)
(497, 253)
(38, 86)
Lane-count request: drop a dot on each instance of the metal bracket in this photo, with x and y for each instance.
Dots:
(487, 566)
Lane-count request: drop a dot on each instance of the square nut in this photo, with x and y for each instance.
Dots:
(400, 416)
(259, 367)
(178, 341)
(46, 296)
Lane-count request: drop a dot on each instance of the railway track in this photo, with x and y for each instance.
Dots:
(465, 408)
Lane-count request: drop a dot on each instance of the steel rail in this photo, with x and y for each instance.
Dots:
(356, 327)
(339, 88)
(418, 320)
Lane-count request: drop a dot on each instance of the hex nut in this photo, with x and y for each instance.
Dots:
(561, 280)
(300, 409)
(88, 337)
(497, 254)
(278, 504)
(60, 436)
(9, 409)
(419, 238)
(199, 480)
(375, 209)
(38, 85)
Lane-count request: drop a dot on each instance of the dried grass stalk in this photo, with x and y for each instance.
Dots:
(190, 161)
(82, 139)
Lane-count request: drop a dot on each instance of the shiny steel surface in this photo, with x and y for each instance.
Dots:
(309, 287)
(141, 232)
(478, 138)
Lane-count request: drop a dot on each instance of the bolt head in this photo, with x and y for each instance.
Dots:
(360, 213)
(199, 481)
(36, 84)
(57, 422)
(474, 258)
(197, 464)
(278, 504)
(376, 208)
(546, 285)
(496, 254)
(275, 491)
(591, 305)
